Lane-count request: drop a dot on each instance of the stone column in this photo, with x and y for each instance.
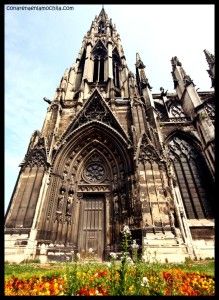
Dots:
(88, 66)
(107, 220)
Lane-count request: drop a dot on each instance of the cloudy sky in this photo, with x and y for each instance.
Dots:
(40, 44)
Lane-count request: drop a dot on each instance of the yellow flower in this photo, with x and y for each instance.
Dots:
(131, 288)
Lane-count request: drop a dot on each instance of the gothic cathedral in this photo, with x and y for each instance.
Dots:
(112, 153)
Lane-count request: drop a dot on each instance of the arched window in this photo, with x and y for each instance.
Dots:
(193, 178)
(101, 27)
(99, 54)
(98, 69)
(116, 66)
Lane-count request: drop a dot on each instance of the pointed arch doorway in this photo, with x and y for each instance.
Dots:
(95, 190)
(95, 174)
(92, 224)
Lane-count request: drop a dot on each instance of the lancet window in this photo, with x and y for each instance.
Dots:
(193, 179)
(99, 55)
(116, 66)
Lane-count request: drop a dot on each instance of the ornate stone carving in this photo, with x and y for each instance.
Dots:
(116, 205)
(59, 217)
(179, 147)
(175, 62)
(68, 207)
(187, 80)
(36, 154)
(36, 158)
(93, 188)
(68, 219)
(176, 111)
(147, 150)
(96, 110)
(210, 108)
(175, 80)
(60, 201)
(94, 172)
(148, 154)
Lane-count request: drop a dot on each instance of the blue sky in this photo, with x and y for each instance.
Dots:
(40, 45)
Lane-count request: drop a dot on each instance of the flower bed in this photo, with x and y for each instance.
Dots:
(102, 280)
(130, 276)
(35, 286)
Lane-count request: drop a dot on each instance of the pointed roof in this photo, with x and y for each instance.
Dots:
(96, 110)
(102, 14)
(99, 46)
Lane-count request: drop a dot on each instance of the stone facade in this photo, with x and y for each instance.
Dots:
(112, 153)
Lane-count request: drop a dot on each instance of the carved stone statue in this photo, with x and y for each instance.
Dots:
(123, 202)
(172, 219)
(187, 80)
(116, 204)
(60, 201)
(69, 205)
(175, 62)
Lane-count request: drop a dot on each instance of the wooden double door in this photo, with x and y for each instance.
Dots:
(91, 231)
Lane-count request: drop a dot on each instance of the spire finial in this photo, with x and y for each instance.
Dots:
(211, 63)
(175, 62)
(139, 62)
(103, 13)
(138, 56)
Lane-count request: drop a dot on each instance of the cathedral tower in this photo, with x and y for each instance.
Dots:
(110, 153)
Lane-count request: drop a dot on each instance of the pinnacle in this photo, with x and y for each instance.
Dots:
(139, 62)
(138, 57)
(209, 57)
(102, 14)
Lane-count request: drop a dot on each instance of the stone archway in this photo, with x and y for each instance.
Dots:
(96, 204)
(92, 175)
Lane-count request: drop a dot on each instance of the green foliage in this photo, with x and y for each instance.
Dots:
(72, 282)
(123, 277)
(29, 269)
(29, 261)
(117, 278)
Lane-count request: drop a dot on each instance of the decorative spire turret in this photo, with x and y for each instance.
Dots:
(139, 63)
(141, 77)
(209, 57)
(180, 78)
(211, 62)
(175, 62)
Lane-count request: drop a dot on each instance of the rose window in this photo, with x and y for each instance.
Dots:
(94, 172)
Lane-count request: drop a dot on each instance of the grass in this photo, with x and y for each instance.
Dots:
(27, 270)
(30, 269)
(116, 278)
